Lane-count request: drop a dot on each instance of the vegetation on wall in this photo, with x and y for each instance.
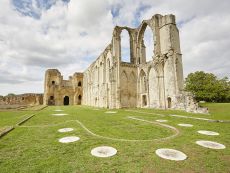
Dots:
(207, 87)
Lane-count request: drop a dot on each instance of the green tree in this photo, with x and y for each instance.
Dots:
(10, 95)
(207, 87)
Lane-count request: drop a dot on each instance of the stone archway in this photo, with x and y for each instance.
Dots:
(66, 100)
(141, 51)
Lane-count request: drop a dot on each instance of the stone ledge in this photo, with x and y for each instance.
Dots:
(5, 131)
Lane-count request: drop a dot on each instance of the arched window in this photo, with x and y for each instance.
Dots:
(143, 82)
(79, 83)
(53, 82)
(51, 97)
(149, 43)
(125, 46)
(145, 44)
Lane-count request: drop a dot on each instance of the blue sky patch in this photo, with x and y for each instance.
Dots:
(33, 8)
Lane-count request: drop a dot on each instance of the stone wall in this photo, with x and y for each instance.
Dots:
(30, 99)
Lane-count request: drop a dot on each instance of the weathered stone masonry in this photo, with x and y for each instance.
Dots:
(108, 82)
(62, 92)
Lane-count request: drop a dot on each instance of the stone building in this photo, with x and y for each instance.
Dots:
(62, 92)
(111, 83)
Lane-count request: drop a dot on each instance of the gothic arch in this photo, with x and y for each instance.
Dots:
(141, 52)
(127, 48)
(142, 82)
(124, 89)
(133, 77)
(153, 87)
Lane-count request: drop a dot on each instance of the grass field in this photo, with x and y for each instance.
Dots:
(34, 147)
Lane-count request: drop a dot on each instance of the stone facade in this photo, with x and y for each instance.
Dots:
(62, 92)
(111, 83)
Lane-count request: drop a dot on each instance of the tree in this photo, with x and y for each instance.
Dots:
(10, 95)
(207, 87)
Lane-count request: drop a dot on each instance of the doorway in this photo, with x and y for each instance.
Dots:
(79, 100)
(66, 100)
(169, 102)
(144, 100)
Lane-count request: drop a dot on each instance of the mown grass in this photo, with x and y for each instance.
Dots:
(10, 118)
(36, 149)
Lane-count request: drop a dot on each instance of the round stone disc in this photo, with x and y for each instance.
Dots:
(110, 112)
(162, 121)
(210, 144)
(205, 132)
(58, 110)
(171, 154)
(185, 125)
(69, 139)
(59, 114)
(65, 130)
(103, 151)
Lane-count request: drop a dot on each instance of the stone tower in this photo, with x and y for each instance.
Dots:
(62, 92)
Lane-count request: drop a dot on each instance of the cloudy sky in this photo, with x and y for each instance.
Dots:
(70, 34)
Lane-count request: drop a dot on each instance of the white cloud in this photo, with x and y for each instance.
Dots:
(70, 36)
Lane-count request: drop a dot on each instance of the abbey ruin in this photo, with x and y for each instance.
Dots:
(110, 83)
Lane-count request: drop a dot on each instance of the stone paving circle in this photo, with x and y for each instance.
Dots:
(65, 130)
(171, 154)
(162, 121)
(185, 125)
(69, 139)
(103, 151)
(206, 132)
(210, 144)
(59, 114)
(110, 112)
(58, 110)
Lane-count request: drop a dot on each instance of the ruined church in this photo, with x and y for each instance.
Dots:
(111, 83)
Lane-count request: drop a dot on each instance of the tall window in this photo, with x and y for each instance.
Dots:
(149, 43)
(125, 46)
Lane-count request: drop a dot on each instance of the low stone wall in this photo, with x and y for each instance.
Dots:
(21, 100)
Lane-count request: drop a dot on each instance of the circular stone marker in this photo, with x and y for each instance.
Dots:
(59, 114)
(162, 121)
(205, 132)
(210, 144)
(103, 151)
(96, 109)
(65, 130)
(58, 110)
(69, 139)
(170, 154)
(110, 112)
(185, 125)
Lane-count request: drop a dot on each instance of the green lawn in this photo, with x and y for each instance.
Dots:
(34, 146)
(8, 119)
